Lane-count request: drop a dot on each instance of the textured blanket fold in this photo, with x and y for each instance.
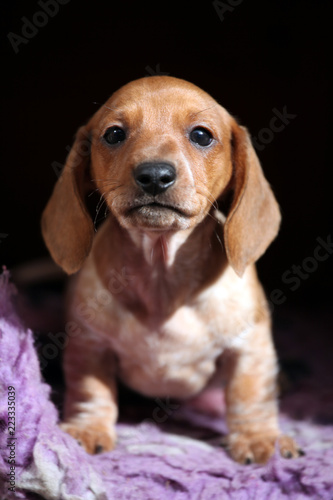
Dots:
(151, 461)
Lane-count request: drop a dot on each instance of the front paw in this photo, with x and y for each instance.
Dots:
(94, 436)
(248, 448)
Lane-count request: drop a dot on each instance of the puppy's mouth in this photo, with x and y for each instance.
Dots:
(157, 216)
(150, 208)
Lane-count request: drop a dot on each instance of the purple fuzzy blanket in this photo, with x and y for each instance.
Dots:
(175, 460)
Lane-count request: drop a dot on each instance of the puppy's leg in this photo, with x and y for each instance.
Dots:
(90, 404)
(251, 396)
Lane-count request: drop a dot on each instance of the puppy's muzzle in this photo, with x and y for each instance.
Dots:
(155, 177)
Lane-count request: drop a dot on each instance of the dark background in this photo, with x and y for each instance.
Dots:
(261, 56)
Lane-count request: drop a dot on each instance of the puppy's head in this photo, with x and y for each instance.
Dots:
(163, 154)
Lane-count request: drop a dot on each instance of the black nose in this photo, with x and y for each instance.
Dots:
(154, 178)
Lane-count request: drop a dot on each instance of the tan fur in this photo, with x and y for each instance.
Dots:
(166, 296)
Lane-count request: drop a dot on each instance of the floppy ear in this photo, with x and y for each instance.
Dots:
(66, 225)
(254, 216)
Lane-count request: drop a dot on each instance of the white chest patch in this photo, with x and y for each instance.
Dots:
(175, 360)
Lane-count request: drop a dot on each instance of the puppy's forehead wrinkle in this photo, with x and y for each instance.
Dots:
(205, 109)
(159, 105)
(125, 115)
(105, 106)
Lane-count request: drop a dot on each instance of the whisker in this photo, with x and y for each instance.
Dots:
(213, 217)
(101, 201)
(92, 192)
(163, 252)
(104, 106)
(106, 211)
(208, 195)
(110, 191)
(98, 208)
(206, 109)
(213, 203)
(152, 255)
(106, 184)
(219, 239)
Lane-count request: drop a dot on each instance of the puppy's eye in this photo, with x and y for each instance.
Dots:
(201, 136)
(114, 135)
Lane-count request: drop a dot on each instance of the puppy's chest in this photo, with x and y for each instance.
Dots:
(173, 355)
(176, 358)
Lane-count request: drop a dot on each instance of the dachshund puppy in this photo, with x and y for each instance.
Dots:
(167, 297)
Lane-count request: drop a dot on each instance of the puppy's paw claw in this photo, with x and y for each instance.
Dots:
(288, 447)
(93, 437)
(249, 448)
